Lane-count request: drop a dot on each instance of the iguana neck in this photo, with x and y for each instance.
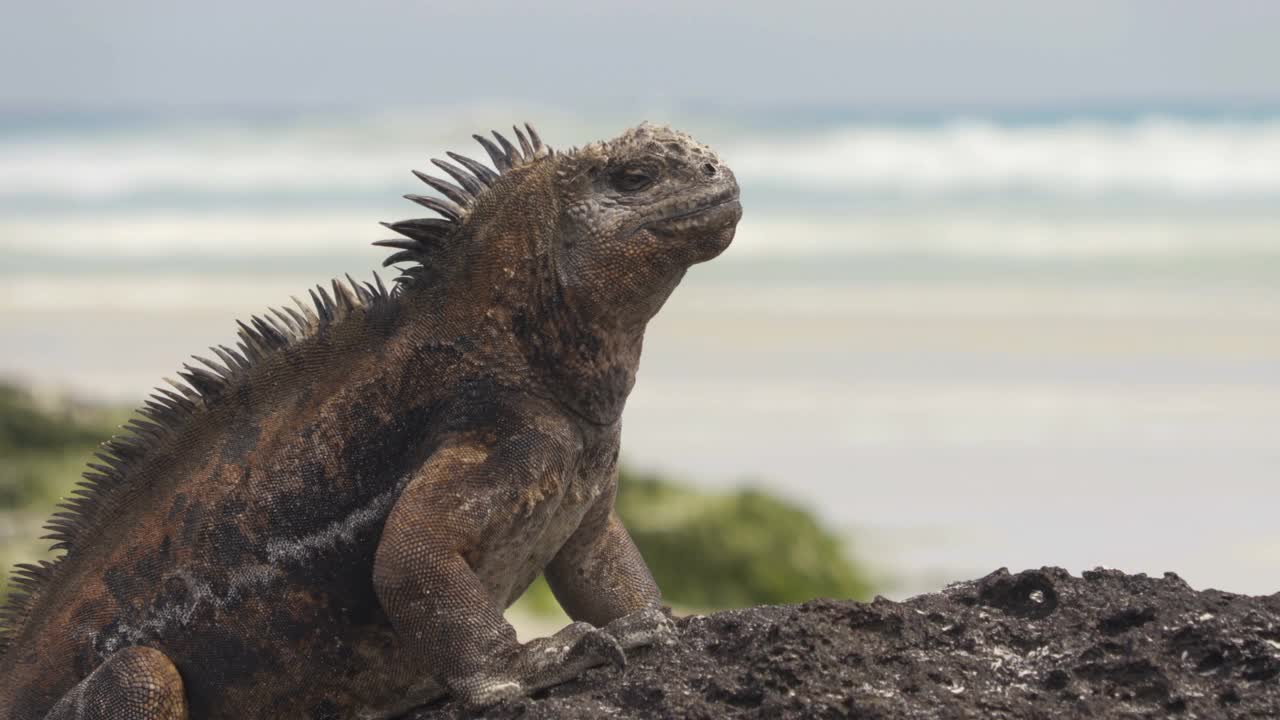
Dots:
(589, 366)
(531, 311)
(585, 348)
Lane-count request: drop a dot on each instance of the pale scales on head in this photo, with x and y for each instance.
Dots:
(643, 140)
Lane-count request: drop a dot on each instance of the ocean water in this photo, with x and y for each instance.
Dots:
(970, 341)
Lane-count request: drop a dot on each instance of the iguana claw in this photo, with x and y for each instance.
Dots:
(644, 627)
(545, 662)
(597, 645)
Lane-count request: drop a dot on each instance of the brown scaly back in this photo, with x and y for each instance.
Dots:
(426, 240)
(167, 412)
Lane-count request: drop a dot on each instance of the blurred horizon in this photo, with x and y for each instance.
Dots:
(387, 53)
(1005, 293)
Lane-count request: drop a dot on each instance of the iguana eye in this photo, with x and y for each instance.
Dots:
(631, 179)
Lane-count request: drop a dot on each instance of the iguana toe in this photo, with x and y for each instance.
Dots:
(644, 627)
(597, 646)
(483, 691)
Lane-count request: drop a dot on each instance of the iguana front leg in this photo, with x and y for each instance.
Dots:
(469, 498)
(599, 577)
(137, 683)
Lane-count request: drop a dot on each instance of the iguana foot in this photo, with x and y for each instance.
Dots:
(137, 683)
(550, 661)
(650, 626)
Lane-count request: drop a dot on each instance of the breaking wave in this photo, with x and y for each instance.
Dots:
(363, 159)
(1153, 157)
(314, 185)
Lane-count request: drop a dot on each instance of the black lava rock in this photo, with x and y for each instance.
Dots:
(1038, 644)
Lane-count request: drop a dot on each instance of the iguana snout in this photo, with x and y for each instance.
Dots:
(655, 180)
(708, 220)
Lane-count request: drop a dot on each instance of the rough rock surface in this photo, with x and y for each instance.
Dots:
(1038, 644)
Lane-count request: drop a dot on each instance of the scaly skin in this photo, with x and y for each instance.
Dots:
(332, 521)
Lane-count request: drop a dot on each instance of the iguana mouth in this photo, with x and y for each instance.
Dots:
(723, 212)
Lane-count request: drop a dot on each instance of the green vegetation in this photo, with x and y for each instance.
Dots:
(707, 550)
(735, 549)
(43, 450)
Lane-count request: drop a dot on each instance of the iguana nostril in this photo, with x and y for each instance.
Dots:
(708, 169)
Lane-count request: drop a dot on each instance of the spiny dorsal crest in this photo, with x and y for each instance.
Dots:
(166, 413)
(425, 236)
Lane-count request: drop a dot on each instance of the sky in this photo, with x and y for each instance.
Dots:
(61, 54)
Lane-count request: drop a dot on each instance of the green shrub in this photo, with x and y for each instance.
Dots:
(734, 549)
(43, 450)
(26, 428)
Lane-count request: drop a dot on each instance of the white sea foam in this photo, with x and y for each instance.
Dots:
(1156, 156)
(955, 234)
(237, 232)
(1006, 234)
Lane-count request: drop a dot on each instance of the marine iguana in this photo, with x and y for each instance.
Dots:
(328, 520)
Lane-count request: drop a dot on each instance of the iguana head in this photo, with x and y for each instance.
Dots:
(640, 207)
(617, 222)
(572, 252)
